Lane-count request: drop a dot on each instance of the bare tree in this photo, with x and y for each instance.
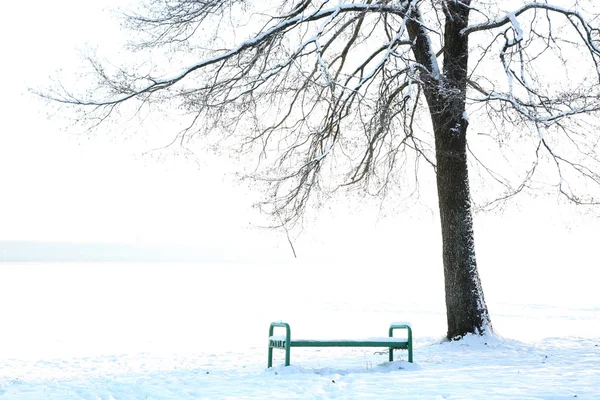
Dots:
(334, 94)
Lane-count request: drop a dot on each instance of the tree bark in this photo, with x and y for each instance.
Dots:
(446, 97)
(465, 304)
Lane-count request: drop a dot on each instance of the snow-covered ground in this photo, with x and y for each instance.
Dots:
(183, 331)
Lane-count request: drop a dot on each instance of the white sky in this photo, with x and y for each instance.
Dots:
(54, 186)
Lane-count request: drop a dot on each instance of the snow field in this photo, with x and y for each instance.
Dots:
(159, 331)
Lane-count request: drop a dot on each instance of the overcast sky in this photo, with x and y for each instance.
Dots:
(58, 187)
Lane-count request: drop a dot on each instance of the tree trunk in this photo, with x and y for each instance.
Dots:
(446, 97)
(466, 310)
(465, 305)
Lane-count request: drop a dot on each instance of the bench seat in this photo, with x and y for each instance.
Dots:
(285, 342)
(279, 342)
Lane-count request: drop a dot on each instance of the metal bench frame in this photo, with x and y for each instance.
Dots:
(288, 343)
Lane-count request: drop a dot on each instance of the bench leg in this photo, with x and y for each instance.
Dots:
(410, 353)
(270, 357)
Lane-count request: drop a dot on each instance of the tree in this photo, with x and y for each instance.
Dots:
(333, 94)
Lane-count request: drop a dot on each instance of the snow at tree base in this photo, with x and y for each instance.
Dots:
(184, 331)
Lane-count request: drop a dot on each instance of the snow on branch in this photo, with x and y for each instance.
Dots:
(157, 84)
(516, 28)
(342, 92)
(589, 31)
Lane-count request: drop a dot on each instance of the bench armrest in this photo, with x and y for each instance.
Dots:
(393, 327)
(288, 338)
(406, 326)
(280, 325)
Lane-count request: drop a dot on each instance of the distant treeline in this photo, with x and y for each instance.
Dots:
(30, 251)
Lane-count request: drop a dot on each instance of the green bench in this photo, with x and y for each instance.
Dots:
(286, 342)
